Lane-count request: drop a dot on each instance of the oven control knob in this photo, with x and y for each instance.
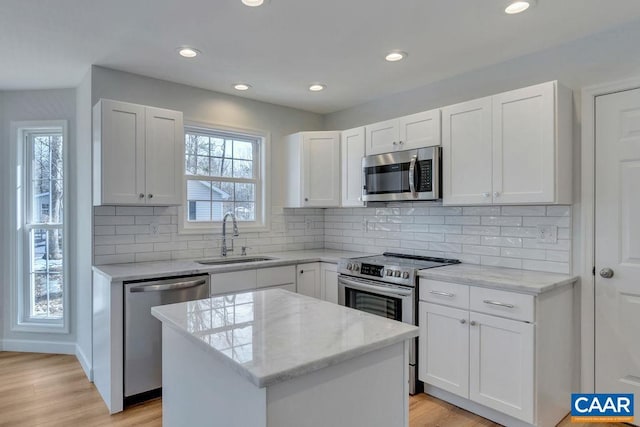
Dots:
(389, 272)
(356, 267)
(405, 275)
(349, 266)
(396, 273)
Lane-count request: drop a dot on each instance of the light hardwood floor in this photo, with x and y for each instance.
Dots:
(52, 390)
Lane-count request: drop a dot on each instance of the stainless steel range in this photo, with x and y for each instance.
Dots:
(385, 285)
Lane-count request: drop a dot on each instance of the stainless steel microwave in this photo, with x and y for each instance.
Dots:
(402, 175)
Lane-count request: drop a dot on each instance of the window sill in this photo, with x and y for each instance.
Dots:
(40, 327)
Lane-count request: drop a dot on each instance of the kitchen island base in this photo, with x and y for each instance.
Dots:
(199, 390)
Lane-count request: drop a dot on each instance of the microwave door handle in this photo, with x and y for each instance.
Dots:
(412, 174)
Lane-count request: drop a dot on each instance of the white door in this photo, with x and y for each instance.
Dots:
(501, 365)
(308, 279)
(524, 145)
(443, 353)
(617, 243)
(352, 152)
(321, 151)
(419, 130)
(382, 137)
(466, 153)
(164, 156)
(123, 153)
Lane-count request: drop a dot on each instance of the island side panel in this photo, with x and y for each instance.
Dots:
(371, 390)
(198, 390)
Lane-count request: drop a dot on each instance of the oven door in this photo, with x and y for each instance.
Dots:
(382, 299)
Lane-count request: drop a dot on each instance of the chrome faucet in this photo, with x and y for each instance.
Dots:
(224, 233)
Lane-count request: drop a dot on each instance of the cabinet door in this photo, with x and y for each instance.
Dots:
(352, 152)
(443, 352)
(308, 279)
(466, 153)
(524, 143)
(164, 156)
(382, 137)
(501, 365)
(329, 282)
(321, 159)
(419, 130)
(122, 151)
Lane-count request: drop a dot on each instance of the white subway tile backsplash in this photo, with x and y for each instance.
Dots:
(488, 235)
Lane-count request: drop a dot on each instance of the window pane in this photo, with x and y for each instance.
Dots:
(245, 192)
(46, 275)
(203, 165)
(245, 211)
(190, 166)
(203, 145)
(217, 147)
(242, 169)
(243, 150)
(199, 200)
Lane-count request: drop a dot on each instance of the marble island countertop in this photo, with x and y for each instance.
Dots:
(158, 269)
(510, 279)
(273, 335)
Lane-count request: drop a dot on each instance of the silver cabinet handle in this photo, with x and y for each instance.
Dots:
(486, 194)
(496, 194)
(444, 294)
(498, 303)
(141, 195)
(400, 142)
(395, 143)
(463, 321)
(150, 196)
(169, 286)
(412, 172)
(473, 323)
(606, 273)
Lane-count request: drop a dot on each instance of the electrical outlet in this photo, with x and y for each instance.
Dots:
(309, 223)
(547, 234)
(155, 228)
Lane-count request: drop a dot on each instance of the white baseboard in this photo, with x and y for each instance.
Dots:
(29, 346)
(84, 362)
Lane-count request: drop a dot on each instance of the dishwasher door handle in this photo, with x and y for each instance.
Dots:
(169, 286)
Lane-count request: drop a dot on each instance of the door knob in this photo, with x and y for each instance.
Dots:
(607, 273)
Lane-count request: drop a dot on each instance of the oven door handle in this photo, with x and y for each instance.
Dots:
(412, 175)
(382, 290)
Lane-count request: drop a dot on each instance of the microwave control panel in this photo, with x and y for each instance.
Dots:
(424, 184)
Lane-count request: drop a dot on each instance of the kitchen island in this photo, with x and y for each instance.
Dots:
(275, 358)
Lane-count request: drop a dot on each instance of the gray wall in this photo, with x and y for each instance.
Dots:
(56, 104)
(602, 57)
(83, 220)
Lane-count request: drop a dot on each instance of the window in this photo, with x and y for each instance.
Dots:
(41, 244)
(223, 174)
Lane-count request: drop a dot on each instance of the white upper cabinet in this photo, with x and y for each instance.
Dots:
(312, 170)
(510, 148)
(466, 153)
(352, 152)
(138, 154)
(404, 133)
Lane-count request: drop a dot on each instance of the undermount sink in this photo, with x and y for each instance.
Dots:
(218, 261)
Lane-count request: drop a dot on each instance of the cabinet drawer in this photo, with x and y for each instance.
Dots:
(235, 281)
(502, 303)
(276, 276)
(451, 294)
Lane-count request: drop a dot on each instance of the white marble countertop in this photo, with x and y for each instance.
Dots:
(510, 279)
(143, 270)
(273, 335)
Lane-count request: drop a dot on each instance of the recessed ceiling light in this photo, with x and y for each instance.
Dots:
(317, 87)
(241, 86)
(188, 52)
(519, 6)
(395, 55)
(253, 3)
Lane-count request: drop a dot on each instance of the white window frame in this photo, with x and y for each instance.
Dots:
(21, 321)
(263, 199)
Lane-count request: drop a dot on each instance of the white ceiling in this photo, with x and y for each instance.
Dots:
(282, 47)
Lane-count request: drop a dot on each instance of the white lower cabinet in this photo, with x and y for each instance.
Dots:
(308, 279)
(247, 280)
(329, 282)
(504, 355)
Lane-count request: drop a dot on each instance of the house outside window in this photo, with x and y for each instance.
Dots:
(40, 301)
(223, 173)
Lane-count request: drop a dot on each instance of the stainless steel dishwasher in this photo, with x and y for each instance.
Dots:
(143, 332)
